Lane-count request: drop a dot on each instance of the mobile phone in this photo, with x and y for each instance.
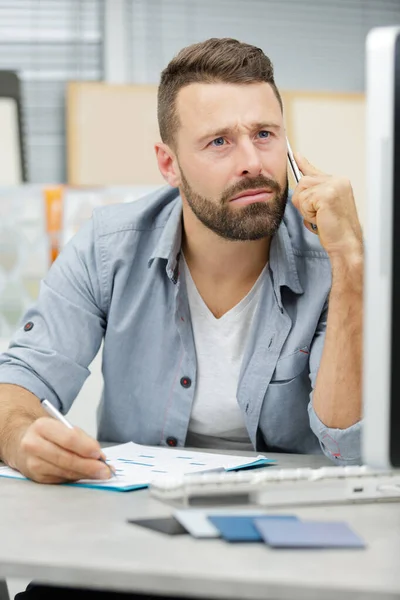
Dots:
(296, 174)
(293, 165)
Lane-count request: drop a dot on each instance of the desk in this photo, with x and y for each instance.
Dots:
(79, 537)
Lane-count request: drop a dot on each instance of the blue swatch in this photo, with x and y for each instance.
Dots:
(241, 528)
(308, 534)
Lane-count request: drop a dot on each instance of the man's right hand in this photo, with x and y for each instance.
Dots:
(49, 452)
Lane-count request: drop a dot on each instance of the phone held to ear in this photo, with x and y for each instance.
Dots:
(297, 175)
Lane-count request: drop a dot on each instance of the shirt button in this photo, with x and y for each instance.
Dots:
(172, 441)
(28, 326)
(186, 382)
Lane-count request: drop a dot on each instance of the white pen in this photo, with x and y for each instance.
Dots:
(296, 173)
(57, 415)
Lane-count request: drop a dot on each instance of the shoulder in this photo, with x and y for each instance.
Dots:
(148, 213)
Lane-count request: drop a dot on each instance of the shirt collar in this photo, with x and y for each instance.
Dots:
(282, 261)
(169, 245)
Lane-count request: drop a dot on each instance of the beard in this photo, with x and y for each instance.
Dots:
(251, 222)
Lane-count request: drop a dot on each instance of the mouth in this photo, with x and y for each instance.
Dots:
(251, 196)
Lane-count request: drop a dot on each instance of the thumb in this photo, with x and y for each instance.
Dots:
(305, 166)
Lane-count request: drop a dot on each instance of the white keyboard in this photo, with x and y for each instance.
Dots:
(281, 487)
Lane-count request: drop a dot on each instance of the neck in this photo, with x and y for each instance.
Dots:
(218, 260)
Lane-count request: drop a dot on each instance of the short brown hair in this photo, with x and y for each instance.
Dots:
(216, 60)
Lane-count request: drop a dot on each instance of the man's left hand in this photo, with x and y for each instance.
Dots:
(328, 202)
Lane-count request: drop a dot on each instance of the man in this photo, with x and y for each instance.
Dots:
(211, 295)
(213, 310)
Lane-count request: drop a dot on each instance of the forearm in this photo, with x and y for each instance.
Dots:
(18, 409)
(337, 394)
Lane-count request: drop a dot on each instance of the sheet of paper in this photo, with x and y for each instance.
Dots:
(136, 465)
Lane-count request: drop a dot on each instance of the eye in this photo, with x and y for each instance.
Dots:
(264, 134)
(218, 142)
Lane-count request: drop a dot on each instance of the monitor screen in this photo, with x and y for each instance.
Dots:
(381, 369)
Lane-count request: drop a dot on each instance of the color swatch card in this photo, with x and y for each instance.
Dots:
(307, 534)
(136, 465)
(198, 521)
(241, 528)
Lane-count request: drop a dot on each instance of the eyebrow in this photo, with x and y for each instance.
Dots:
(226, 130)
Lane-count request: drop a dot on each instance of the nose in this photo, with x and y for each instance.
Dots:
(249, 160)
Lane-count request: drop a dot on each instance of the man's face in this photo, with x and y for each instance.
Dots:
(231, 151)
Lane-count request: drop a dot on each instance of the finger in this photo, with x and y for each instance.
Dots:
(83, 468)
(306, 167)
(307, 204)
(75, 440)
(307, 181)
(41, 471)
(304, 184)
(38, 448)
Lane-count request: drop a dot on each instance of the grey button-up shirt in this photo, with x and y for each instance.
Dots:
(119, 280)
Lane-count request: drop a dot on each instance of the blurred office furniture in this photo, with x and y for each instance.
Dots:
(24, 256)
(329, 130)
(111, 131)
(78, 204)
(53, 198)
(4, 591)
(35, 223)
(12, 155)
(48, 43)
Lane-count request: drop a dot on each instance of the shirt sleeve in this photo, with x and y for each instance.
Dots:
(342, 446)
(61, 334)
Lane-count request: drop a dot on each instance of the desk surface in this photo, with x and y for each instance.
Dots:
(72, 536)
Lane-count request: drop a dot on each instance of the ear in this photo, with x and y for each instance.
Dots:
(167, 164)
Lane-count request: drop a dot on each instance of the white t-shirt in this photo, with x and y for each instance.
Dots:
(216, 419)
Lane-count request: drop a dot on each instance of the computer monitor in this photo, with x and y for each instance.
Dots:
(381, 368)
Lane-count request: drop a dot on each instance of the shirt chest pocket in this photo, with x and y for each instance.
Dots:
(291, 366)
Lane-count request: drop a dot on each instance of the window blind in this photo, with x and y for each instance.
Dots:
(314, 44)
(49, 42)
